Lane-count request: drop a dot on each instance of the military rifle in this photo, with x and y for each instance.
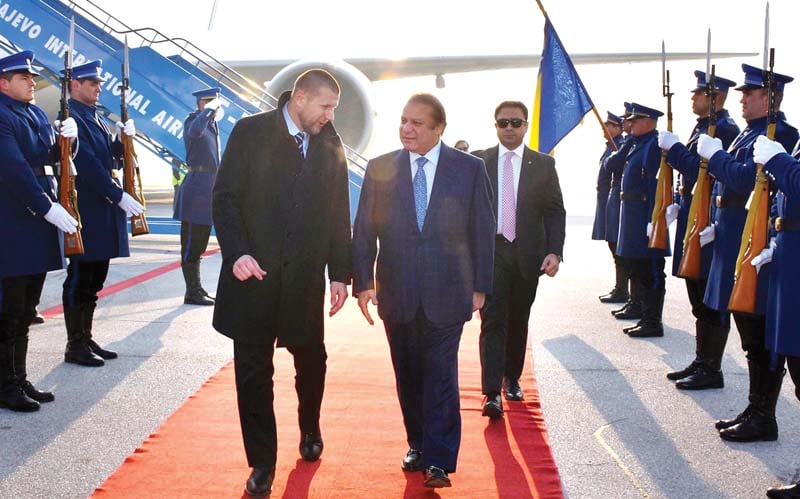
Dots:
(700, 209)
(133, 181)
(658, 236)
(756, 228)
(67, 194)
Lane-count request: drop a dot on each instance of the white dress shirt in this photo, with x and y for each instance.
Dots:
(294, 129)
(430, 167)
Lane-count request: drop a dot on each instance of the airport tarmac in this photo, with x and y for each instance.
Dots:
(618, 427)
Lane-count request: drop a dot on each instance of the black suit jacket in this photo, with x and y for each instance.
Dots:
(541, 218)
(293, 217)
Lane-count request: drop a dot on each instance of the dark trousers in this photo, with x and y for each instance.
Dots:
(84, 280)
(752, 332)
(696, 289)
(793, 364)
(194, 241)
(649, 272)
(18, 300)
(254, 369)
(425, 361)
(503, 339)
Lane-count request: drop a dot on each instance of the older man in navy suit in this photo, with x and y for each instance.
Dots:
(429, 206)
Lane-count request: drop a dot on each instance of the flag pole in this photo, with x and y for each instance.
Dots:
(594, 109)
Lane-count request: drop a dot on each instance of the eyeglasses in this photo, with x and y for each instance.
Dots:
(515, 122)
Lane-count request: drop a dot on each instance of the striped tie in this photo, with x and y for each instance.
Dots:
(299, 139)
(420, 192)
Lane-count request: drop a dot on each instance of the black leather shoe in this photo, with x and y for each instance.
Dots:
(260, 482)
(785, 492)
(615, 296)
(513, 390)
(632, 312)
(628, 329)
(37, 319)
(757, 427)
(81, 354)
(436, 478)
(721, 424)
(35, 394)
(100, 351)
(702, 379)
(623, 308)
(493, 407)
(413, 461)
(311, 446)
(687, 371)
(13, 398)
(646, 331)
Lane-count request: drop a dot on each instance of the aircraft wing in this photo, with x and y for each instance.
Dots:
(388, 69)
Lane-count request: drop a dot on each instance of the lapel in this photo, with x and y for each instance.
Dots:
(526, 177)
(490, 160)
(405, 188)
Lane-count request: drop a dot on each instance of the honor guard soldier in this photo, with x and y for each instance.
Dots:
(104, 208)
(619, 294)
(711, 328)
(193, 202)
(614, 164)
(646, 266)
(782, 333)
(735, 173)
(33, 223)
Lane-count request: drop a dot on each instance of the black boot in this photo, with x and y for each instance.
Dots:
(631, 311)
(87, 318)
(686, 371)
(21, 371)
(785, 492)
(652, 305)
(11, 395)
(752, 373)
(711, 340)
(195, 294)
(78, 350)
(761, 424)
(620, 292)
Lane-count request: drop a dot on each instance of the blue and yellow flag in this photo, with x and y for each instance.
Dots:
(561, 100)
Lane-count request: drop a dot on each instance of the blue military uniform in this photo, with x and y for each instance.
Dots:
(31, 245)
(619, 293)
(711, 332)
(98, 164)
(638, 198)
(735, 174)
(193, 201)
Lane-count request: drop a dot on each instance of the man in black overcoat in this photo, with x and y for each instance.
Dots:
(281, 210)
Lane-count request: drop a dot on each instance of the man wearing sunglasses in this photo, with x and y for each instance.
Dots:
(529, 242)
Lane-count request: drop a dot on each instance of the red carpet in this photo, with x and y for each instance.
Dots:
(198, 451)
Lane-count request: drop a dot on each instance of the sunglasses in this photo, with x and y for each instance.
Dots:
(515, 122)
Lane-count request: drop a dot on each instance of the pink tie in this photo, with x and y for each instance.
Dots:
(509, 205)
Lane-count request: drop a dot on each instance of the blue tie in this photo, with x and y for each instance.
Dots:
(420, 192)
(299, 139)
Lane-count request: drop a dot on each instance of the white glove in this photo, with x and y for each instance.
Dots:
(707, 146)
(649, 229)
(59, 217)
(213, 104)
(765, 256)
(667, 139)
(764, 149)
(130, 206)
(128, 127)
(707, 235)
(69, 128)
(672, 213)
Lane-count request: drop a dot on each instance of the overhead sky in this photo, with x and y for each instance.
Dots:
(319, 29)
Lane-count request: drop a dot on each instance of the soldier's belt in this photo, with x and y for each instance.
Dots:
(633, 196)
(116, 173)
(44, 170)
(783, 224)
(681, 191)
(202, 169)
(728, 202)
